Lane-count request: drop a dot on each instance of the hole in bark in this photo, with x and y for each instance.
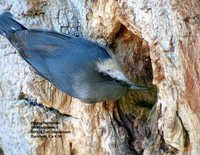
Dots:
(133, 54)
(1, 151)
(134, 108)
(72, 150)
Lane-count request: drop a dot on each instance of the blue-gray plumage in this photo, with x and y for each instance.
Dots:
(81, 68)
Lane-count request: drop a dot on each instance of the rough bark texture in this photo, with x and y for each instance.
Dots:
(155, 41)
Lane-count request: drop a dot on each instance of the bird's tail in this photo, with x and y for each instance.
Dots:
(7, 24)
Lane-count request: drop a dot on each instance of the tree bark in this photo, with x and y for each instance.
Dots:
(156, 42)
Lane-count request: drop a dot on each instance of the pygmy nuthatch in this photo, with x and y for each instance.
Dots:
(81, 68)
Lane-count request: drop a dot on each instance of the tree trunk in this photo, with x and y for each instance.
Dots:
(155, 42)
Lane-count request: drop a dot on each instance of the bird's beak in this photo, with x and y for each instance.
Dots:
(138, 87)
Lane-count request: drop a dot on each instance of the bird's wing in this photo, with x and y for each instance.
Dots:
(28, 42)
(55, 56)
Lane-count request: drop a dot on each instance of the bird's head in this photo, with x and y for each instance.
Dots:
(112, 71)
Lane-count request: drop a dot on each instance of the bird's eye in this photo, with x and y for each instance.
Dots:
(116, 81)
(106, 76)
(109, 78)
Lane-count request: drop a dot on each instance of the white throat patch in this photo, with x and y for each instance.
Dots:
(111, 68)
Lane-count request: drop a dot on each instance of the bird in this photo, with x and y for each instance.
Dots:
(81, 68)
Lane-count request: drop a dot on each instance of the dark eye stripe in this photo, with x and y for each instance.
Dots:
(106, 76)
(114, 80)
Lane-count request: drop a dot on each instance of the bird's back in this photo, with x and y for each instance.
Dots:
(70, 63)
(59, 58)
